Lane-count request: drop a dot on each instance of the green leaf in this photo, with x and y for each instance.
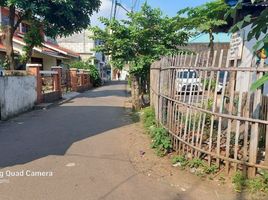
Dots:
(247, 18)
(260, 82)
(259, 45)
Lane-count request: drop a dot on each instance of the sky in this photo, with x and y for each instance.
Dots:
(168, 7)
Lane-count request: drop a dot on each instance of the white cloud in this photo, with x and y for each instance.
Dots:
(105, 11)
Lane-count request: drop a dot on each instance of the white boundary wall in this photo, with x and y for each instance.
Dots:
(17, 95)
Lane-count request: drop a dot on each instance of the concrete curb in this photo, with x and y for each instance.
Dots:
(45, 106)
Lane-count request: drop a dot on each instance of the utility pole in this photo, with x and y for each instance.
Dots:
(112, 9)
(115, 8)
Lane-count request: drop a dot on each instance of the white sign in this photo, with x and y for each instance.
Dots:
(236, 45)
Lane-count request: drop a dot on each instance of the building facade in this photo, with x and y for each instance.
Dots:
(84, 45)
(50, 54)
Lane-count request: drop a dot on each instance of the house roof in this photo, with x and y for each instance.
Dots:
(204, 38)
(62, 50)
(47, 49)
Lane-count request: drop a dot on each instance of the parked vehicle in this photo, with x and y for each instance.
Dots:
(188, 80)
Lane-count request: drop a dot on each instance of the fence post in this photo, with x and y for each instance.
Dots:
(158, 95)
(74, 79)
(88, 79)
(34, 69)
(254, 137)
(57, 78)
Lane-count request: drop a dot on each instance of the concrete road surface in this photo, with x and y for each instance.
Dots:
(76, 151)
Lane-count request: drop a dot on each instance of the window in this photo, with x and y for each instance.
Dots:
(187, 74)
(35, 60)
(59, 62)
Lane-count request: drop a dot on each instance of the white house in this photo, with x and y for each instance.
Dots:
(82, 44)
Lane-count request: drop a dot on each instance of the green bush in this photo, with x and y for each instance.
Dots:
(210, 169)
(161, 141)
(160, 137)
(148, 117)
(93, 71)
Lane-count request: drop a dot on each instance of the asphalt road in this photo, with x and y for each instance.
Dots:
(75, 151)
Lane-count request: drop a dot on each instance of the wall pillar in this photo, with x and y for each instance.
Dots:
(74, 79)
(34, 69)
(57, 79)
(83, 81)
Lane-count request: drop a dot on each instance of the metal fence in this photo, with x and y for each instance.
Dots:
(205, 102)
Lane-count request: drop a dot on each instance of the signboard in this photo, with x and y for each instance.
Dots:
(236, 45)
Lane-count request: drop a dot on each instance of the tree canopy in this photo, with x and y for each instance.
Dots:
(144, 37)
(58, 17)
(207, 18)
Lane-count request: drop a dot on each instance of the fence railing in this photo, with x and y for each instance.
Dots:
(48, 78)
(205, 102)
(51, 84)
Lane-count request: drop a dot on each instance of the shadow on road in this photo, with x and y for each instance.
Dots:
(51, 132)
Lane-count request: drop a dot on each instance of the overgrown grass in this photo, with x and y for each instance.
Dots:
(201, 168)
(196, 163)
(161, 141)
(148, 118)
(239, 181)
(255, 185)
(183, 162)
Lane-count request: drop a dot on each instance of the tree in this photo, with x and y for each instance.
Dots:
(207, 18)
(138, 41)
(57, 18)
(33, 38)
(258, 25)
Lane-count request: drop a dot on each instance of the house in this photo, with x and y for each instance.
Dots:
(50, 54)
(84, 45)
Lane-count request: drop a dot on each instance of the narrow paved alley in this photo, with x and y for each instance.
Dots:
(82, 143)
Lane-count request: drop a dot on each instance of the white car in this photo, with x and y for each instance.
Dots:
(188, 80)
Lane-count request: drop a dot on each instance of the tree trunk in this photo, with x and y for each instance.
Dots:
(135, 92)
(211, 45)
(8, 38)
(28, 55)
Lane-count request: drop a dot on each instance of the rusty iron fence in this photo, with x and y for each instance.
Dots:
(205, 102)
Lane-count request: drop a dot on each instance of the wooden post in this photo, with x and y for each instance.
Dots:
(34, 69)
(254, 136)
